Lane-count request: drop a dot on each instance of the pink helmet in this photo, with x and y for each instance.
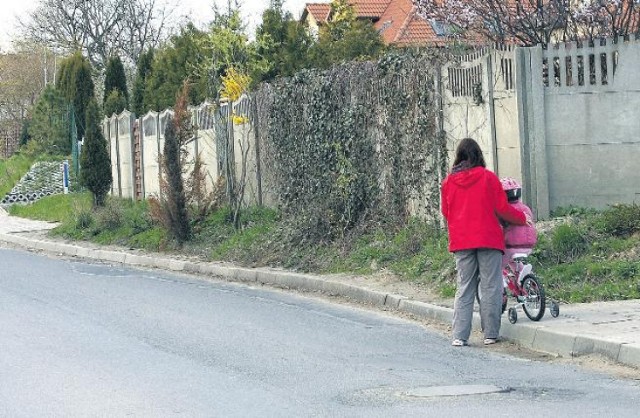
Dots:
(512, 188)
(509, 183)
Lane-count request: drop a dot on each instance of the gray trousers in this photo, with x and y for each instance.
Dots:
(482, 266)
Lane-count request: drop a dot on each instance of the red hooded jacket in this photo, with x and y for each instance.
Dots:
(472, 201)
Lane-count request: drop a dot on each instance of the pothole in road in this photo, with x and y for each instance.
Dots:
(393, 395)
(457, 390)
(101, 270)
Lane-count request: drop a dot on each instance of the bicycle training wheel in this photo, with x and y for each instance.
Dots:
(534, 299)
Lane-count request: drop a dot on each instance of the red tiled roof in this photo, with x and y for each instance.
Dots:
(401, 25)
(393, 19)
(364, 9)
(370, 8)
(319, 11)
(397, 20)
(417, 31)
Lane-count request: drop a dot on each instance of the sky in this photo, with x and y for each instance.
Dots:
(200, 12)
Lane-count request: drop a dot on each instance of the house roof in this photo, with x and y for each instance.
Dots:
(401, 25)
(397, 20)
(370, 8)
(319, 11)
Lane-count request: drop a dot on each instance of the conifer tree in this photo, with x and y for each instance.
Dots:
(144, 70)
(177, 133)
(95, 163)
(48, 128)
(183, 58)
(115, 79)
(281, 46)
(76, 85)
(115, 103)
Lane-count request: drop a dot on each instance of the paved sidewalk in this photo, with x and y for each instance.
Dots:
(611, 329)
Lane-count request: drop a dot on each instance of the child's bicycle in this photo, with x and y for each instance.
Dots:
(520, 282)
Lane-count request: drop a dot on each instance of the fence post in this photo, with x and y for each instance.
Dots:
(230, 169)
(256, 136)
(156, 119)
(117, 139)
(489, 80)
(531, 112)
(441, 149)
(140, 138)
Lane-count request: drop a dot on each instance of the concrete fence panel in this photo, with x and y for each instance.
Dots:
(466, 111)
(581, 123)
(504, 113)
(125, 152)
(151, 149)
(207, 143)
(114, 154)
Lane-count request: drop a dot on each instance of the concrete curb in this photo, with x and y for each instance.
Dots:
(535, 336)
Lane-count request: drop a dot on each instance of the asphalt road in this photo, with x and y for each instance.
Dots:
(79, 339)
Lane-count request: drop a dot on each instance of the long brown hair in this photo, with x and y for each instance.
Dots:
(468, 150)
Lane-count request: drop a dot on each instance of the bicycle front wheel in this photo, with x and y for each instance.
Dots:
(534, 299)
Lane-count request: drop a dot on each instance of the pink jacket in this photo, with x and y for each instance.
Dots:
(520, 236)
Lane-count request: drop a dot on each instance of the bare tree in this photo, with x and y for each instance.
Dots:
(23, 75)
(530, 22)
(144, 27)
(100, 28)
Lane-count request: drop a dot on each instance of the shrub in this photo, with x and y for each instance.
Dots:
(568, 242)
(621, 220)
(138, 217)
(200, 199)
(84, 219)
(110, 217)
(573, 211)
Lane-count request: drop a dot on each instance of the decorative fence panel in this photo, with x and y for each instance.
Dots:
(503, 115)
(581, 128)
(148, 172)
(479, 101)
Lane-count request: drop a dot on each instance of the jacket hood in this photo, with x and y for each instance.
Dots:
(467, 178)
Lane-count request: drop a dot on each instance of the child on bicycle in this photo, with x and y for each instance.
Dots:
(518, 238)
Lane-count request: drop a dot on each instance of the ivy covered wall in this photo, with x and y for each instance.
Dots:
(355, 143)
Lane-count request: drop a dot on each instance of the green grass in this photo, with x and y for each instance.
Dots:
(595, 256)
(12, 170)
(54, 208)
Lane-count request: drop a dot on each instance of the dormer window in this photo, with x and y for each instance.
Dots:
(441, 28)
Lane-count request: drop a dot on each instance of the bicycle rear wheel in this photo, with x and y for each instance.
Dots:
(534, 299)
(504, 297)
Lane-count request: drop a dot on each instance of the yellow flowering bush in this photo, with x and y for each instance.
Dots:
(234, 83)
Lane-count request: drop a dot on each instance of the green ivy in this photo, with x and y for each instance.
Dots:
(354, 143)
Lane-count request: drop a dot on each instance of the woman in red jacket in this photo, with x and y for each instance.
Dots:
(472, 203)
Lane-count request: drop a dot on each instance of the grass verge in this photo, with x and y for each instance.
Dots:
(11, 170)
(582, 256)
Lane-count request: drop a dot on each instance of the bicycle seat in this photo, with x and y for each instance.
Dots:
(521, 253)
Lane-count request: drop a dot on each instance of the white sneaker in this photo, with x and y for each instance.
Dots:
(459, 343)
